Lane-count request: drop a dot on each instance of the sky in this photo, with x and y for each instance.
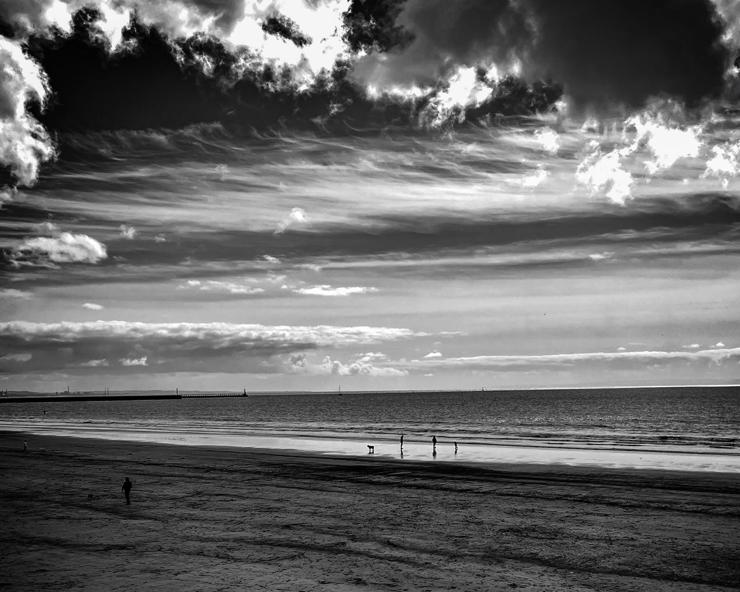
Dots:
(388, 194)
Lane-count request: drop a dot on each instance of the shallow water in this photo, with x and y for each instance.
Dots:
(695, 428)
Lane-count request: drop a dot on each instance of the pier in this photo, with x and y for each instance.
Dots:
(212, 395)
(67, 397)
(83, 397)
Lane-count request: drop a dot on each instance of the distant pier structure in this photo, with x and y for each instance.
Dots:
(106, 396)
(209, 395)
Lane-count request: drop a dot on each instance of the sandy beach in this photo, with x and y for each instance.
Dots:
(226, 519)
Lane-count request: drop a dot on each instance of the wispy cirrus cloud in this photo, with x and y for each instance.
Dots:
(719, 354)
(327, 290)
(99, 363)
(15, 294)
(20, 357)
(243, 288)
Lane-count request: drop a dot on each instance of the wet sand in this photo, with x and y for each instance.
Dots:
(212, 519)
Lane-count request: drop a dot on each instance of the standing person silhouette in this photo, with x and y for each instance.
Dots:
(126, 488)
(434, 441)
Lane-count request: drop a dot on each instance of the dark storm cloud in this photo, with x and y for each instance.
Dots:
(153, 80)
(23, 16)
(442, 35)
(227, 12)
(161, 82)
(606, 52)
(371, 25)
(284, 27)
(629, 50)
(143, 87)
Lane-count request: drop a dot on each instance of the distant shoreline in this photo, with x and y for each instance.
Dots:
(36, 396)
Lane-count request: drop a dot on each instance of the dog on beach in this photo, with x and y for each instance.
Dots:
(370, 449)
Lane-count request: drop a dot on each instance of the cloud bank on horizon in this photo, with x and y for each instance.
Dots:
(516, 178)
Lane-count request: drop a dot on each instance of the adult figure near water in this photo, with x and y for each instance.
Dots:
(401, 440)
(126, 488)
(434, 441)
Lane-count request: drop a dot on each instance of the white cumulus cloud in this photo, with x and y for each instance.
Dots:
(463, 90)
(327, 290)
(724, 163)
(297, 216)
(64, 248)
(535, 179)
(604, 173)
(368, 364)
(133, 361)
(548, 139)
(92, 306)
(24, 143)
(127, 232)
(666, 143)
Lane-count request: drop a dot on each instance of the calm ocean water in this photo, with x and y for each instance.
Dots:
(695, 428)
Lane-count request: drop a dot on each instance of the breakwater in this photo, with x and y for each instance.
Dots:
(109, 397)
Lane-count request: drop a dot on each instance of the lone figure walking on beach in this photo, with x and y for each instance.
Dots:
(126, 488)
(401, 440)
(434, 441)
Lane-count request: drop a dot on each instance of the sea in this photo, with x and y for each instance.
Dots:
(672, 428)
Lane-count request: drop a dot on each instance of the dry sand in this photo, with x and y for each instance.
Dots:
(225, 519)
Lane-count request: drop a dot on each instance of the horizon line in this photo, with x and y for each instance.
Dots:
(368, 391)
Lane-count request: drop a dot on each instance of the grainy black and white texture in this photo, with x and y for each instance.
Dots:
(385, 194)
